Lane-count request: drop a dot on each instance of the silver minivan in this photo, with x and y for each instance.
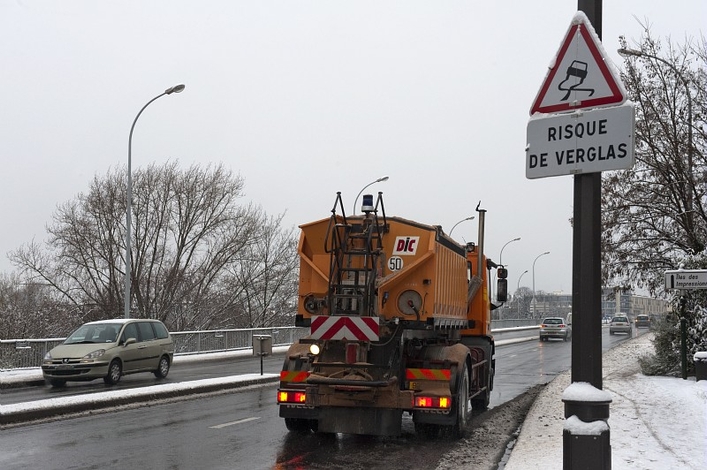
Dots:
(109, 349)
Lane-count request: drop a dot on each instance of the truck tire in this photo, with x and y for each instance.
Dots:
(464, 405)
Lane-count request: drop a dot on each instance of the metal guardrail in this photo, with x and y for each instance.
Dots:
(24, 353)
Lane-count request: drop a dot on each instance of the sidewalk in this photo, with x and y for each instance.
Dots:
(655, 423)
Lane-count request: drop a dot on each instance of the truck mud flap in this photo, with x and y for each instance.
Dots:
(366, 421)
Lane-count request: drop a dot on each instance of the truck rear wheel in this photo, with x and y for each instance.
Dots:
(463, 404)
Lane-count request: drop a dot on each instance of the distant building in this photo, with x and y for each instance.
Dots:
(613, 301)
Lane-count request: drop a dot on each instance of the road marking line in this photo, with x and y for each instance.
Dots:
(219, 426)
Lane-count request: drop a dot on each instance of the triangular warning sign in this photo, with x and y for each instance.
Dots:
(581, 76)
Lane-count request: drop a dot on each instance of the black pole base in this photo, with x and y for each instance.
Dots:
(589, 450)
(586, 452)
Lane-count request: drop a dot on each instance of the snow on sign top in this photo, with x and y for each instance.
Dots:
(581, 76)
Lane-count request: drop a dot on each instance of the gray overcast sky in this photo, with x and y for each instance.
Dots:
(303, 99)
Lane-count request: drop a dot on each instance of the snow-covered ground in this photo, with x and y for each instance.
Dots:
(655, 423)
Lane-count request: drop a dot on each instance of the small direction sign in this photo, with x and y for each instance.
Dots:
(686, 279)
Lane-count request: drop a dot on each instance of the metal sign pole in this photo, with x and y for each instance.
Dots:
(584, 451)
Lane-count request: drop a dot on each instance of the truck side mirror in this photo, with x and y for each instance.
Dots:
(501, 290)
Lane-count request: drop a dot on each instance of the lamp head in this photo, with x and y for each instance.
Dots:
(175, 89)
(629, 52)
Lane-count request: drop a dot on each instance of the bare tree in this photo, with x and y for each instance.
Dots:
(30, 310)
(265, 280)
(188, 230)
(654, 214)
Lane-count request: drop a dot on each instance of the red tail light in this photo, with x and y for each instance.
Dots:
(290, 396)
(433, 402)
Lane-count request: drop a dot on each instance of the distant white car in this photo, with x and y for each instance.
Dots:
(620, 324)
(555, 327)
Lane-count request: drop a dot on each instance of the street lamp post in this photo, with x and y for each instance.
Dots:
(536, 258)
(455, 225)
(518, 288)
(379, 180)
(500, 255)
(636, 53)
(500, 258)
(128, 208)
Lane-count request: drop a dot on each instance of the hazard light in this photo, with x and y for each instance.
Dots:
(289, 396)
(433, 402)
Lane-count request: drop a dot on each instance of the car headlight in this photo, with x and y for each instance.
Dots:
(94, 355)
(48, 356)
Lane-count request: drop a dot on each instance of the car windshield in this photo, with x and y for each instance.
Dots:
(620, 319)
(553, 321)
(94, 333)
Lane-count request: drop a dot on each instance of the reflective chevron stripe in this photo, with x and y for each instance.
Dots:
(349, 328)
(293, 376)
(427, 374)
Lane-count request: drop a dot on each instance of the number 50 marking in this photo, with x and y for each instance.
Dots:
(395, 263)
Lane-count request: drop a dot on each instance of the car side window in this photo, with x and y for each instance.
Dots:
(146, 333)
(130, 331)
(160, 330)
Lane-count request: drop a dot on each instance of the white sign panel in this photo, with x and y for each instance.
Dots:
(580, 142)
(686, 279)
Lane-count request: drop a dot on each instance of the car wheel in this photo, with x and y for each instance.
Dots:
(57, 382)
(162, 368)
(115, 371)
(565, 338)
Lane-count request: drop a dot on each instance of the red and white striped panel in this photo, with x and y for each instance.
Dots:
(349, 328)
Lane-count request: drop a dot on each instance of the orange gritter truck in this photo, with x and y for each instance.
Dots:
(399, 317)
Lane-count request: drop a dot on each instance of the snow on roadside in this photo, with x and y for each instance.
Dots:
(655, 422)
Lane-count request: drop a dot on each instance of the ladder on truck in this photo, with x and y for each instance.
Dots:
(355, 246)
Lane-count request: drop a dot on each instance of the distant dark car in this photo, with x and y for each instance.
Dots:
(620, 324)
(555, 327)
(643, 321)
